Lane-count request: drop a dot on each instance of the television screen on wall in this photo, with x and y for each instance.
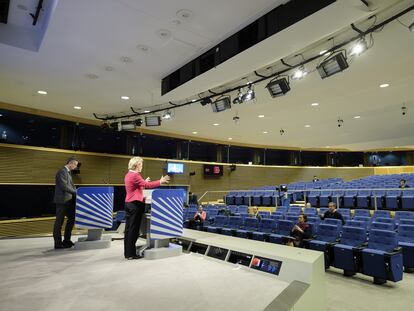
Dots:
(213, 170)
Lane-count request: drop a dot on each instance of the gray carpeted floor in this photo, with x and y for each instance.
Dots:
(35, 277)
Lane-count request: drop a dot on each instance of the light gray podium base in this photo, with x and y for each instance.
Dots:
(163, 252)
(94, 240)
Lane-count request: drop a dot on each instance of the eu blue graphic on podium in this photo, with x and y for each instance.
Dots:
(166, 213)
(94, 207)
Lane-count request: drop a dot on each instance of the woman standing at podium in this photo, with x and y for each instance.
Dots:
(135, 203)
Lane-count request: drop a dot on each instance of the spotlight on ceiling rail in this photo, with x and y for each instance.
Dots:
(332, 65)
(222, 103)
(278, 87)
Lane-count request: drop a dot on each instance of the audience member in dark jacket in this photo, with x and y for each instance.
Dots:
(333, 213)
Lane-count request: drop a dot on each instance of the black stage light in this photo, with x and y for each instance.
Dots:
(138, 122)
(278, 87)
(221, 104)
(205, 101)
(152, 121)
(249, 95)
(332, 65)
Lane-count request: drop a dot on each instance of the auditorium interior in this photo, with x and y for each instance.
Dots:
(283, 125)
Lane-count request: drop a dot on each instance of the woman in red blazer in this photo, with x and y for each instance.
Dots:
(135, 203)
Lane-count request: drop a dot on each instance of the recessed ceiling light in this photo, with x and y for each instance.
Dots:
(92, 76)
(307, 125)
(248, 82)
(164, 33)
(42, 92)
(265, 132)
(384, 85)
(357, 117)
(109, 68)
(184, 14)
(77, 107)
(230, 138)
(193, 100)
(143, 48)
(147, 111)
(323, 52)
(216, 124)
(126, 59)
(315, 104)
(195, 132)
(1, 115)
(124, 97)
(260, 116)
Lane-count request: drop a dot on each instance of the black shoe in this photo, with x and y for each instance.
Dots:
(67, 244)
(59, 246)
(133, 257)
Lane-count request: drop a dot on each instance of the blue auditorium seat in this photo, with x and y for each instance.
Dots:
(347, 252)
(325, 197)
(382, 214)
(291, 217)
(233, 209)
(337, 196)
(310, 211)
(234, 223)
(264, 214)
(313, 198)
(382, 226)
(230, 198)
(407, 199)
(283, 229)
(266, 227)
(382, 259)
(345, 212)
(364, 199)
(326, 236)
(257, 198)
(268, 198)
(295, 210)
(406, 242)
(392, 198)
(220, 221)
(277, 216)
(365, 219)
(243, 209)
(322, 210)
(250, 225)
(362, 212)
(386, 220)
(350, 198)
(406, 222)
(357, 223)
(403, 215)
(333, 221)
(378, 196)
(282, 209)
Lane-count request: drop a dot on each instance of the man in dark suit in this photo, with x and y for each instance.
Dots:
(64, 198)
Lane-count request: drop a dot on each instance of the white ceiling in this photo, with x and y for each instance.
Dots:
(84, 37)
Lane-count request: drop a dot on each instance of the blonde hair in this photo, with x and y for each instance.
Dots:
(132, 165)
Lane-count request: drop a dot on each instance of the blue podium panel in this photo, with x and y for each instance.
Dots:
(166, 214)
(94, 206)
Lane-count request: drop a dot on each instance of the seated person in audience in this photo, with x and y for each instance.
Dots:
(403, 184)
(299, 232)
(333, 213)
(192, 198)
(315, 178)
(199, 218)
(255, 213)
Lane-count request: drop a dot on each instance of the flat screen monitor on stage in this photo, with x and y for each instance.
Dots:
(175, 168)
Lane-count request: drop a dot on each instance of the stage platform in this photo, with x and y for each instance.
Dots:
(35, 277)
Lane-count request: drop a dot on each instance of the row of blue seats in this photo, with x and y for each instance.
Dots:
(325, 235)
(390, 199)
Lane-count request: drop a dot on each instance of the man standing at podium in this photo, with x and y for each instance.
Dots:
(135, 203)
(64, 198)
